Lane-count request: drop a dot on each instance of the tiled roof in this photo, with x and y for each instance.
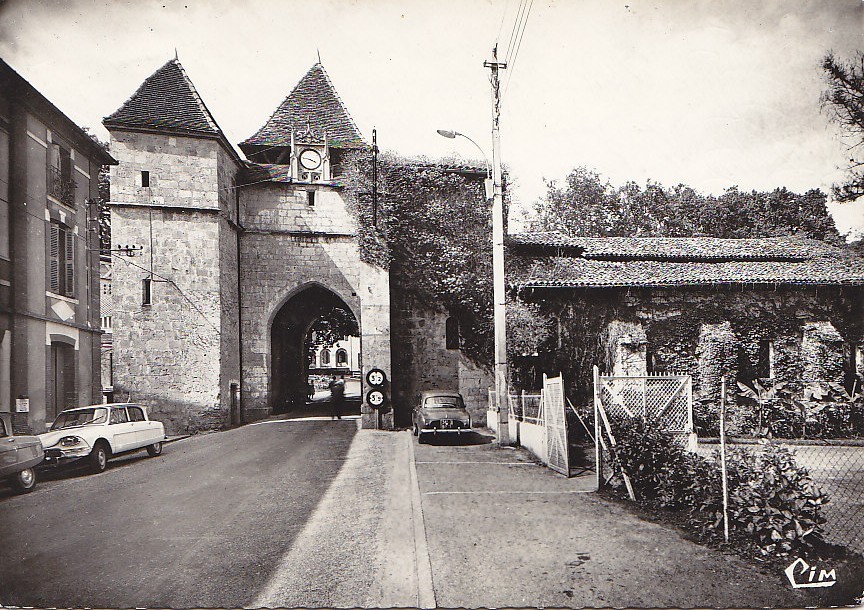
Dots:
(167, 100)
(694, 261)
(677, 248)
(313, 103)
(266, 172)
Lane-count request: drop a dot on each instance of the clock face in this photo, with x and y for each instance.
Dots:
(310, 159)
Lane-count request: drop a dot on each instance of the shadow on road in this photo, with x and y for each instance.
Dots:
(471, 438)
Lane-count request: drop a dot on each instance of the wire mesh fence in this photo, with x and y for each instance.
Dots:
(837, 470)
(833, 463)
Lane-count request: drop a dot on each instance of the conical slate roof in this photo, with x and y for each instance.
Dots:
(166, 101)
(313, 103)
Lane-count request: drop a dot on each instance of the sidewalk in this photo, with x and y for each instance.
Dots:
(474, 525)
(504, 532)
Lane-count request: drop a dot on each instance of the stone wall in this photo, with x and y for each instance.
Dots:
(423, 362)
(821, 352)
(183, 171)
(167, 354)
(626, 344)
(682, 326)
(475, 380)
(179, 354)
(288, 245)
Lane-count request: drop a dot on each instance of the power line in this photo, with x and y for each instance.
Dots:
(501, 25)
(518, 46)
(513, 30)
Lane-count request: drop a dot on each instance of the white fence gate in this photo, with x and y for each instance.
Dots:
(555, 414)
(666, 399)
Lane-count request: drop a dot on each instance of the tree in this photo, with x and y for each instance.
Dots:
(589, 205)
(844, 101)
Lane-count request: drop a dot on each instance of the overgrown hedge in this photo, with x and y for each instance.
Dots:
(773, 502)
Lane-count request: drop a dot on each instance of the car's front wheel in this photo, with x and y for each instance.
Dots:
(24, 481)
(154, 449)
(99, 458)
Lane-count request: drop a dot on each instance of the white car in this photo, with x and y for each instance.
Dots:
(98, 432)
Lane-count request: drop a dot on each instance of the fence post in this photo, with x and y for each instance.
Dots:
(598, 456)
(692, 440)
(723, 458)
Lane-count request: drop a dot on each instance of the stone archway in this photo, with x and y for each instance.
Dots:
(289, 336)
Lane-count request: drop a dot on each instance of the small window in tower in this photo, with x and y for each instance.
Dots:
(765, 365)
(145, 291)
(452, 333)
(145, 178)
(310, 198)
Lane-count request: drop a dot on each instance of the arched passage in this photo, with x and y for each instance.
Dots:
(290, 342)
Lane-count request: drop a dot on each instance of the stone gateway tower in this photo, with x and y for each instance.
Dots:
(239, 258)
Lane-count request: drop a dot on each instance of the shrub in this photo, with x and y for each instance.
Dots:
(772, 501)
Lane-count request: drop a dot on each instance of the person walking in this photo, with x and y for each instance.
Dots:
(337, 396)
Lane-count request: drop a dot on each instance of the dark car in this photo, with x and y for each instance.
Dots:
(18, 456)
(440, 412)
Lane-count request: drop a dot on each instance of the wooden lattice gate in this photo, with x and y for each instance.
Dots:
(666, 399)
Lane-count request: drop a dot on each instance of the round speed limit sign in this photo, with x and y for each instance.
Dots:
(376, 377)
(375, 398)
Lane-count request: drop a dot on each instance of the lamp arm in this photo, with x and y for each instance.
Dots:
(485, 158)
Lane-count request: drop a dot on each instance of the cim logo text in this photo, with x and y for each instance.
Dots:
(801, 575)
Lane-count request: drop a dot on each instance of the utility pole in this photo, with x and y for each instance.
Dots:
(499, 314)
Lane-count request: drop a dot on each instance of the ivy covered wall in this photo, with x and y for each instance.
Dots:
(707, 332)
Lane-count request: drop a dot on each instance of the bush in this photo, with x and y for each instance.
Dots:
(772, 501)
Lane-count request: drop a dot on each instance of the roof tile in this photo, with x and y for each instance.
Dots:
(312, 103)
(166, 100)
(680, 261)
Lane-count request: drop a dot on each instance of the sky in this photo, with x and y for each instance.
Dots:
(709, 93)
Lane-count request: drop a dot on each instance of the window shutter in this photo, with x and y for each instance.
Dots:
(54, 259)
(70, 263)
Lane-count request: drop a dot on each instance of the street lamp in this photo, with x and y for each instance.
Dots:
(447, 133)
(493, 184)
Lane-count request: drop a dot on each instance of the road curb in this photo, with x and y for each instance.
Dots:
(425, 586)
(174, 439)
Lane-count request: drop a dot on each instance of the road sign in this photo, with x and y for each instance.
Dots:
(375, 398)
(376, 378)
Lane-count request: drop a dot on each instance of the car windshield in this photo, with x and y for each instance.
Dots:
(80, 417)
(444, 402)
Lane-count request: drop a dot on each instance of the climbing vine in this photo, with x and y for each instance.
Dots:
(432, 229)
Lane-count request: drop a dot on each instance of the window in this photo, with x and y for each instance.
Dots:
(145, 178)
(118, 416)
(3, 429)
(60, 184)
(145, 291)
(452, 333)
(61, 260)
(765, 363)
(106, 322)
(325, 357)
(135, 413)
(341, 358)
(310, 198)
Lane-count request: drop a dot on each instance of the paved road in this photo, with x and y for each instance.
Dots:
(205, 524)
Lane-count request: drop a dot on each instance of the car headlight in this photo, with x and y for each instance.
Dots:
(71, 441)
